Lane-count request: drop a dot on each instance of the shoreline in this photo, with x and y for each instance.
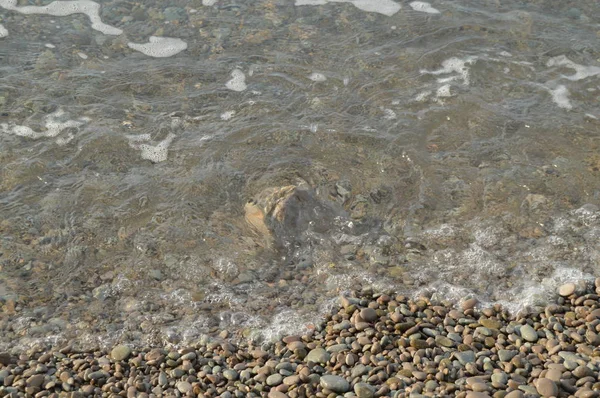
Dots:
(374, 345)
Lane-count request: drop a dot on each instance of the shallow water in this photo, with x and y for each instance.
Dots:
(453, 153)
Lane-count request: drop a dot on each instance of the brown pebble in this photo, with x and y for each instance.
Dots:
(368, 314)
(546, 387)
(469, 304)
(567, 289)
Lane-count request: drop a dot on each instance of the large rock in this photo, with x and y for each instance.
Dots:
(282, 214)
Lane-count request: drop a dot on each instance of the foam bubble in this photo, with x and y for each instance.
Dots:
(389, 114)
(385, 7)
(227, 115)
(54, 126)
(422, 96)
(237, 82)
(64, 8)
(454, 65)
(423, 7)
(3, 31)
(560, 95)
(581, 71)
(317, 77)
(443, 91)
(160, 47)
(154, 153)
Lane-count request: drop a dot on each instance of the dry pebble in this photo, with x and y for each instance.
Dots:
(373, 346)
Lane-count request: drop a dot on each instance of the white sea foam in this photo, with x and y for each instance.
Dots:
(385, 7)
(560, 96)
(64, 8)
(453, 65)
(154, 153)
(54, 123)
(443, 91)
(237, 81)
(3, 31)
(227, 115)
(423, 7)
(317, 77)
(581, 71)
(160, 47)
(422, 96)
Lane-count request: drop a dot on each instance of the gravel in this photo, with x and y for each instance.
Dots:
(409, 348)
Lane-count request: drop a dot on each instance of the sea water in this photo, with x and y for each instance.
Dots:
(448, 149)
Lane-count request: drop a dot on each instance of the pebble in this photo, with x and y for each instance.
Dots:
(335, 383)
(318, 355)
(547, 388)
(183, 386)
(120, 353)
(567, 289)
(364, 390)
(465, 357)
(425, 348)
(368, 314)
(529, 333)
(274, 380)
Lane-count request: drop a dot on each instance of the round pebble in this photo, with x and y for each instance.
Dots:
(120, 353)
(547, 388)
(335, 383)
(567, 289)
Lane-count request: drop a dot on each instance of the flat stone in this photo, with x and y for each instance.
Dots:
(499, 378)
(274, 380)
(276, 394)
(230, 374)
(547, 388)
(506, 355)
(514, 394)
(444, 341)
(476, 394)
(528, 333)
(183, 386)
(335, 383)
(35, 381)
(162, 379)
(318, 355)
(358, 370)
(120, 353)
(582, 371)
(479, 387)
(490, 323)
(364, 390)
(469, 303)
(465, 357)
(291, 380)
(368, 314)
(4, 358)
(337, 348)
(554, 374)
(567, 289)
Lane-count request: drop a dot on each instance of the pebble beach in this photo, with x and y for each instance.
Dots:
(375, 345)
